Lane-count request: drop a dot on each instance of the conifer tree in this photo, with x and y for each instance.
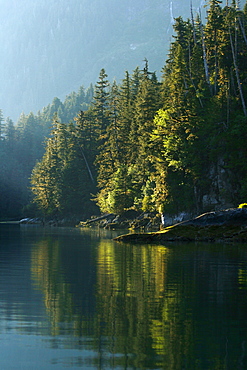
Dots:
(146, 104)
(47, 174)
(85, 137)
(212, 32)
(9, 132)
(125, 117)
(1, 124)
(101, 102)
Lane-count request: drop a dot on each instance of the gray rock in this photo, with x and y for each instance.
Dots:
(232, 216)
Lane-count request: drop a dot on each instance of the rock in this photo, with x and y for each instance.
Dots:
(232, 216)
(117, 225)
(168, 220)
(31, 221)
(226, 225)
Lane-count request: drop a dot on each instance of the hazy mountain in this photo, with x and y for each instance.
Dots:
(51, 47)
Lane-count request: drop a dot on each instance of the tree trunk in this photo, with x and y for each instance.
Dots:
(205, 57)
(237, 75)
(88, 167)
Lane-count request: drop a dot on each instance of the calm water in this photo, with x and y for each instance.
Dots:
(73, 298)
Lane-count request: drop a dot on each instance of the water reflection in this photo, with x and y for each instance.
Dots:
(174, 308)
(63, 269)
(106, 305)
(47, 276)
(131, 281)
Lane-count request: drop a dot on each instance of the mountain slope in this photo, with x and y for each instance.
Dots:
(50, 48)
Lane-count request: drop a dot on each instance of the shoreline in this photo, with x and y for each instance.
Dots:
(225, 226)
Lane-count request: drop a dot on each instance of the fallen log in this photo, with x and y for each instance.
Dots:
(100, 218)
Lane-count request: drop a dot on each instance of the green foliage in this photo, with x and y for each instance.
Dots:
(62, 180)
(148, 201)
(198, 126)
(119, 195)
(143, 144)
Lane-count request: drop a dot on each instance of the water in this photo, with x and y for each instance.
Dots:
(72, 298)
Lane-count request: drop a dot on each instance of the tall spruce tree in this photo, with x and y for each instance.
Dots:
(1, 124)
(101, 102)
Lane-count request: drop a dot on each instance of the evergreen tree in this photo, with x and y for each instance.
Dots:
(86, 141)
(125, 117)
(9, 132)
(62, 182)
(1, 124)
(46, 177)
(101, 102)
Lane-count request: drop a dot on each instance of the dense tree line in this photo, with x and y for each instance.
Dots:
(167, 146)
(21, 145)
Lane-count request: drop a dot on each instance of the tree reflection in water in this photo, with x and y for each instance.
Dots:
(147, 306)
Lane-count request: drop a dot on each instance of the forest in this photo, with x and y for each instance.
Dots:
(172, 145)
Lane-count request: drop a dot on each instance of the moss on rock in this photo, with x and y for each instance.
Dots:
(227, 225)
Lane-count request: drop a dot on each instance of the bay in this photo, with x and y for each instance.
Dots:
(74, 298)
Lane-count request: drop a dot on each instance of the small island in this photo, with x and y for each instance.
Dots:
(228, 225)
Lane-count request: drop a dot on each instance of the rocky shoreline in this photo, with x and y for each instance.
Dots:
(228, 225)
(130, 219)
